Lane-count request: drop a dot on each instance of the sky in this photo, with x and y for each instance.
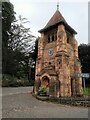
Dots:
(39, 12)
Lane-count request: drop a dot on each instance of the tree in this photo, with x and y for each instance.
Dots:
(33, 57)
(17, 44)
(20, 42)
(20, 36)
(7, 18)
(84, 56)
(35, 53)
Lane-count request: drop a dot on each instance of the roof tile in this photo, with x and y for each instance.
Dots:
(56, 19)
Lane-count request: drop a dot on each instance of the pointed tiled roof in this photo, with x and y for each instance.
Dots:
(56, 19)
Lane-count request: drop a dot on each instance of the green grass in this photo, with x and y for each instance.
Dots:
(87, 91)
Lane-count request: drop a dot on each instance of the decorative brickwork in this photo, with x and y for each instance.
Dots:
(58, 62)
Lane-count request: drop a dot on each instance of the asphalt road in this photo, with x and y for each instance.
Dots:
(19, 103)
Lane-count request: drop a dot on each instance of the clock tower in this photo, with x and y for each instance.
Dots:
(58, 63)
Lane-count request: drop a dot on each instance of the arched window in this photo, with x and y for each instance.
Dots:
(48, 38)
(52, 38)
(67, 40)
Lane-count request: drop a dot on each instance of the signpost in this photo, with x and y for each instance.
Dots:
(84, 75)
(84, 85)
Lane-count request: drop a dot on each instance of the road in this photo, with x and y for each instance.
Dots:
(19, 103)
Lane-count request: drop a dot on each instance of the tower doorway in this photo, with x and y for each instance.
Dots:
(45, 81)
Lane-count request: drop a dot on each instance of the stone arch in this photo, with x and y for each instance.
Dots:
(45, 80)
(45, 74)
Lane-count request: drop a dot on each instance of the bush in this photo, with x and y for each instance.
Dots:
(12, 81)
(42, 90)
(87, 91)
(8, 80)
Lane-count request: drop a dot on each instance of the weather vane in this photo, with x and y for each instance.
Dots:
(58, 5)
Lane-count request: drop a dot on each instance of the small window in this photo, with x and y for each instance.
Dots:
(49, 63)
(48, 38)
(52, 38)
(67, 40)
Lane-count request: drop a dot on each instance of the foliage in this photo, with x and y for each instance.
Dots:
(42, 90)
(7, 19)
(17, 47)
(20, 36)
(33, 57)
(87, 91)
(35, 52)
(84, 56)
(12, 81)
(19, 44)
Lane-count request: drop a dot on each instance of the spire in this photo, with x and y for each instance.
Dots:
(58, 5)
(56, 19)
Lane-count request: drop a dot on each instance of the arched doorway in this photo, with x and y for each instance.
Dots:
(45, 83)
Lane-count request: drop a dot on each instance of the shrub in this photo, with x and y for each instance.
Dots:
(87, 91)
(42, 90)
(12, 81)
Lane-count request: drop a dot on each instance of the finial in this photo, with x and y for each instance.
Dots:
(58, 5)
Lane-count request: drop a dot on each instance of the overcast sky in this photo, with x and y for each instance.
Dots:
(39, 12)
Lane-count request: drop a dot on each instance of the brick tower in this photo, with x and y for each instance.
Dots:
(58, 63)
